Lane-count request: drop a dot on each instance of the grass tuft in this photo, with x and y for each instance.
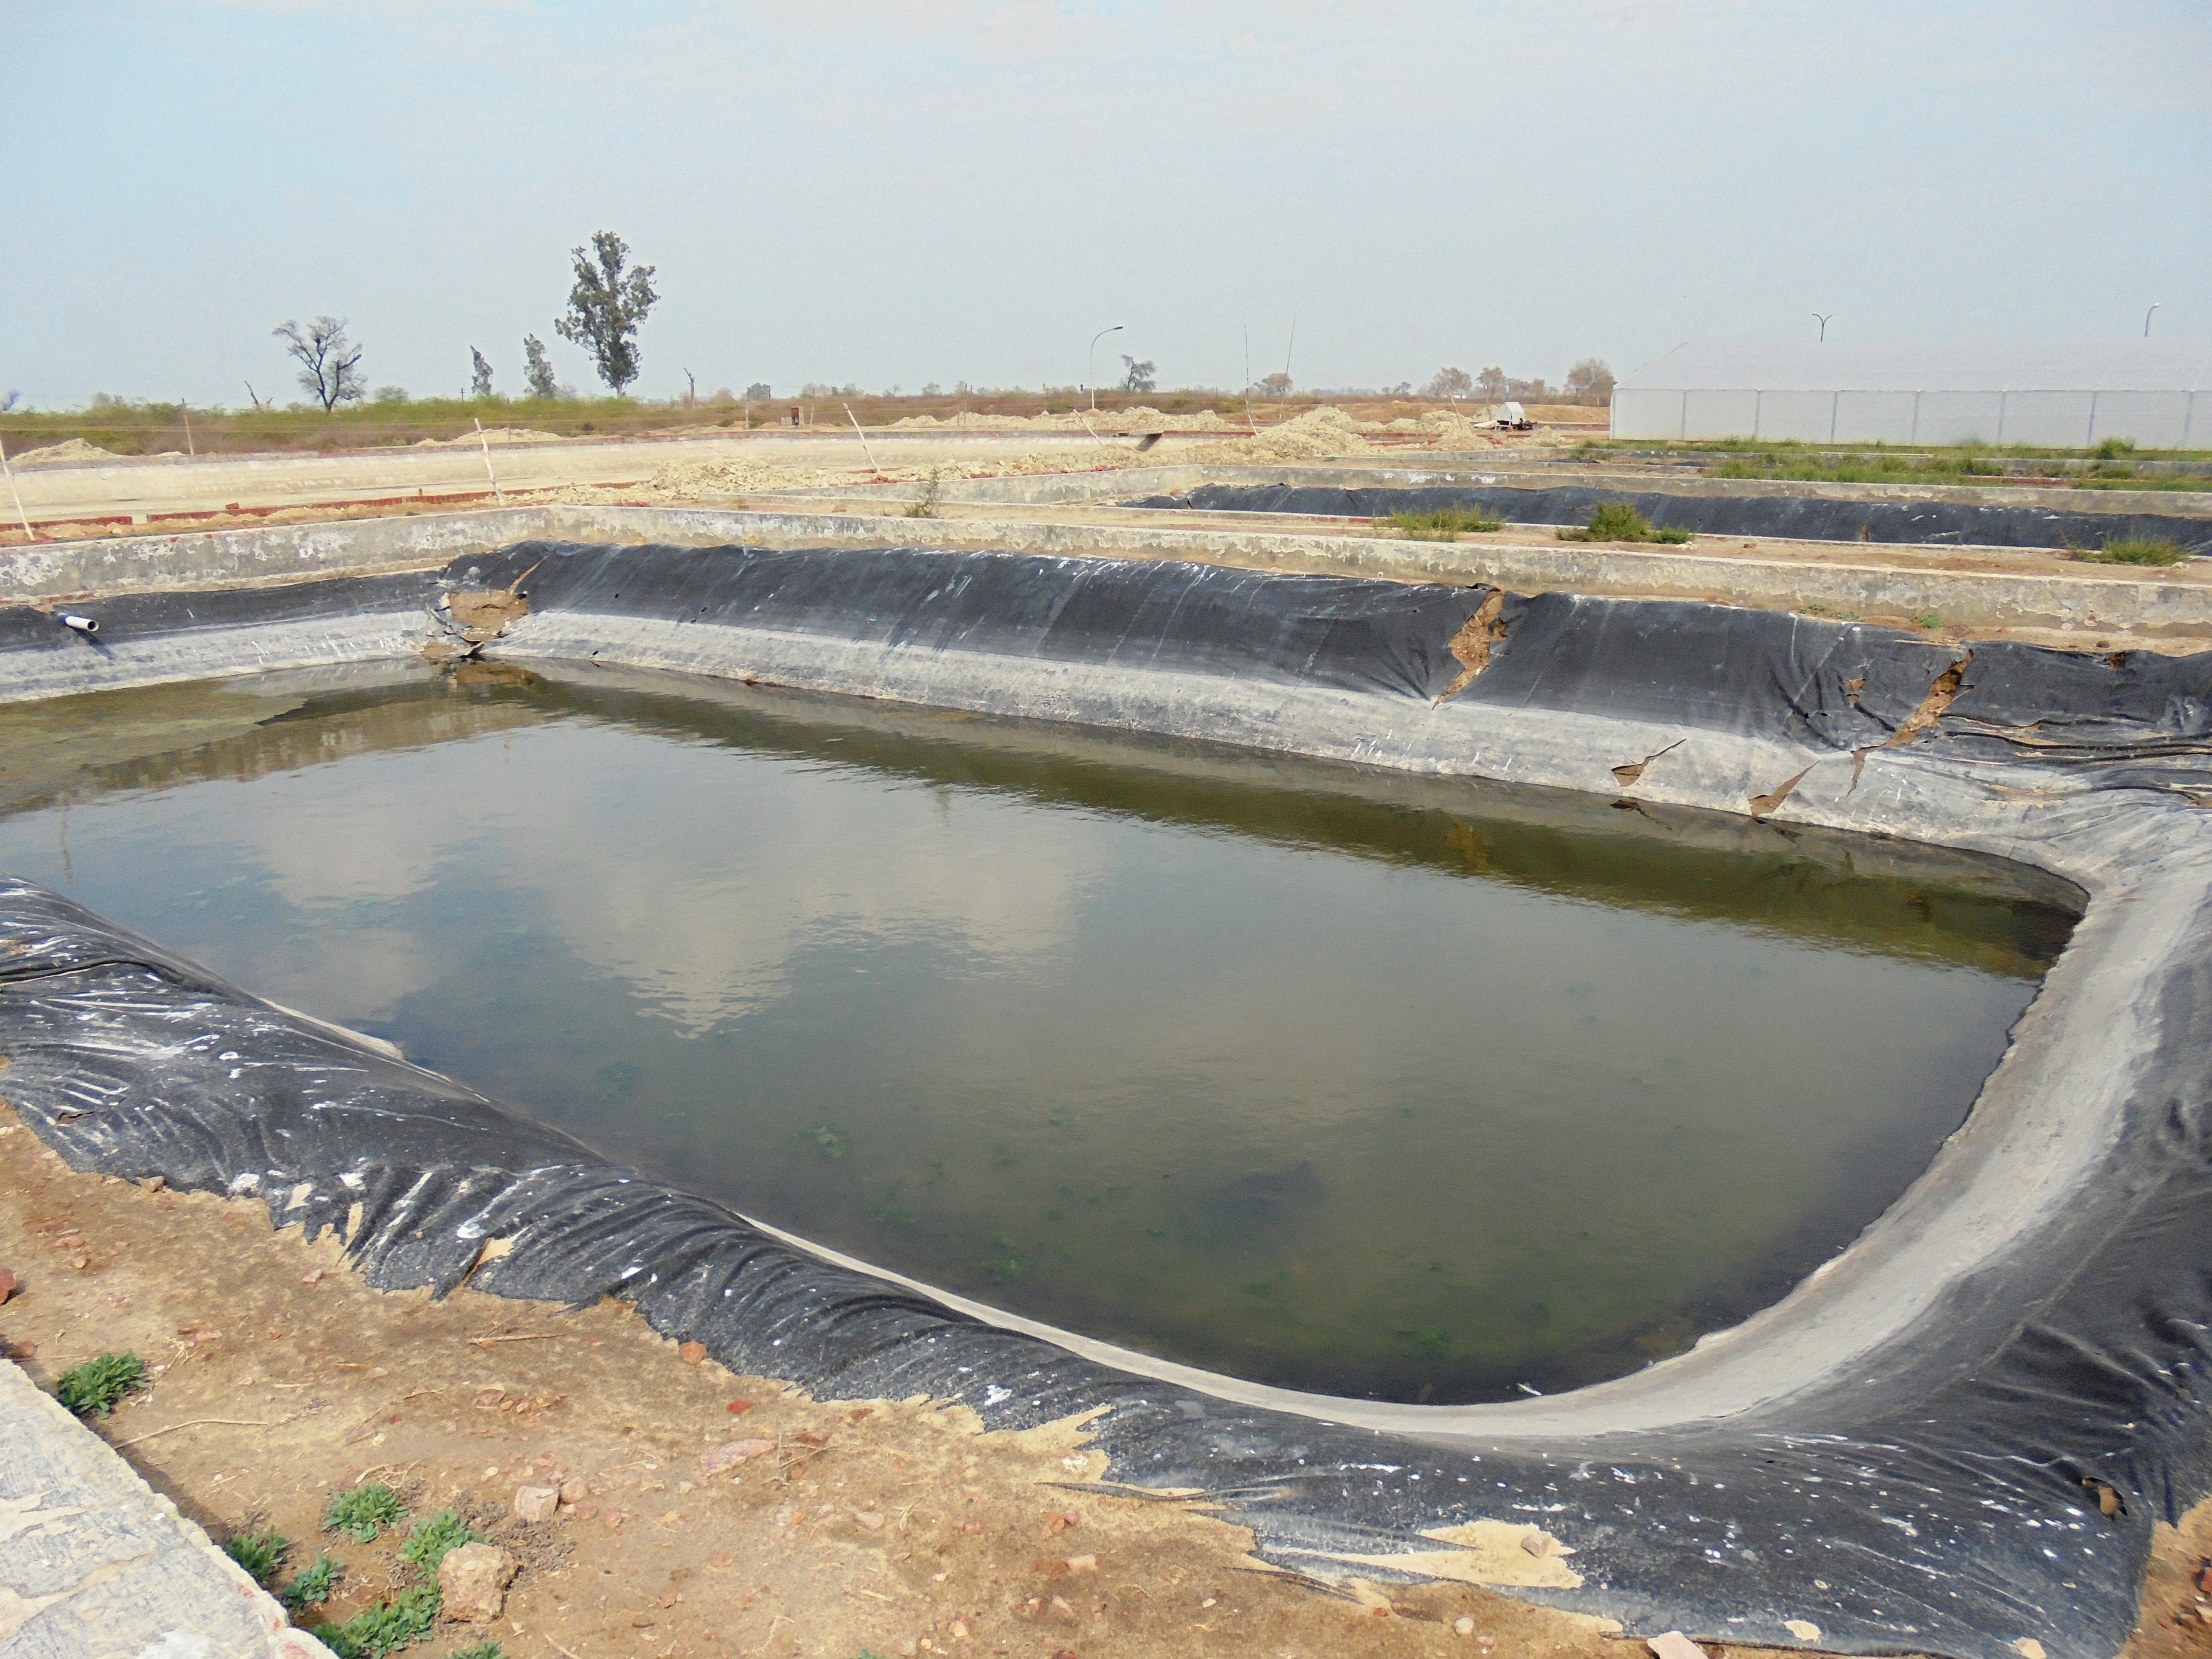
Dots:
(364, 1512)
(435, 1539)
(93, 1388)
(385, 1628)
(481, 1651)
(1619, 521)
(259, 1552)
(932, 487)
(313, 1586)
(1444, 524)
(2134, 550)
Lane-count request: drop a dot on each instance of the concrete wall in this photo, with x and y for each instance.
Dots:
(2152, 420)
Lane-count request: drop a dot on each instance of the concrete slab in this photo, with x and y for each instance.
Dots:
(94, 1563)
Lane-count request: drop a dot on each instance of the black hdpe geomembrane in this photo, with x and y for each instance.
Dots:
(1932, 1501)
(1801, 517)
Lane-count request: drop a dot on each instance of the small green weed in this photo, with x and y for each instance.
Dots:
(1931, 620)
(1444, 524)
(932, 486)
(2112, 448)
(385, 1628)
(2134, 550)
(313, 1586)
(435, 1539)
(259, 1552)
(93, 1388)
(364, 1512)
(831, 1140)
(481, 1651)
(1619, 521)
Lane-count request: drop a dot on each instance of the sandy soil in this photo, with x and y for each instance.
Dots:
(877, 1526)
(857, 1526)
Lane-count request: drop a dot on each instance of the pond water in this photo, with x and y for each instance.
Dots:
(1409, 1089)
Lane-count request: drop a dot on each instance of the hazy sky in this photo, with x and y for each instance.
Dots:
(893, 193)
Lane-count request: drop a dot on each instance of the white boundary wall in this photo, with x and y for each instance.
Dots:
(2157, 394)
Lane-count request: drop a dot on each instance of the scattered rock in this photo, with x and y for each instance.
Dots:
(574, 1491)
(1675, 1646)
(155, 1183)
(1083, 1564)
(739, 1408)
(905, 1647)
(1804, 1629)
(692, 1352)
(473, 1579)
(1463, 1625)
(9, 1284)
(871, 1519)
(536, 1503)
(2028, 1647)
(314, 1277)
(731, 1452)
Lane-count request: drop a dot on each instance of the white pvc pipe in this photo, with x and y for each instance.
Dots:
(80, 624)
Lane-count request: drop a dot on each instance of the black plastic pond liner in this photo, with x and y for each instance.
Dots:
(1800, 518)
(1945, 1491)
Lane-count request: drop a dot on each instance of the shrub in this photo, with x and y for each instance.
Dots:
(364, 1512)
(385, 1628)
(1619, 521)
(259, 1552)
(313, 1586)
(93, 1388)
(2134, 550)
(1443, 524)
(435, 1539)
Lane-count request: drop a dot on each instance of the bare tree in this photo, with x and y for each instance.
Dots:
(330, 364)
(1591, 374)
(1277, 385)
(480, 381)
(537, 368)
(1493, 382)
(1142, 376)
(1453, 383)
(606, 306)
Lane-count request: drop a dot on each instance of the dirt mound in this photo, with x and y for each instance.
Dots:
(61, 454)
(496, 434)
(1314, 435)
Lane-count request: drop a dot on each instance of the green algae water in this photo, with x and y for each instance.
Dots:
(1402, 1088)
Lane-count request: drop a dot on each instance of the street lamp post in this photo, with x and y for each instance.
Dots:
(1823, 322)
(1093, 370)
(2147, 319)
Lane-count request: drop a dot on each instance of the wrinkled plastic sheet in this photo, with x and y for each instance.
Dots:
(1794, 518)
(1940, 1492)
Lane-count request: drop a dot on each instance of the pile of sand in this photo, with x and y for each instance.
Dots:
(1314, 435)
(60, 454)
(1142, 417)
(496, 434)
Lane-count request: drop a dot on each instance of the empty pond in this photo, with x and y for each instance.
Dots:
(1394, 1087)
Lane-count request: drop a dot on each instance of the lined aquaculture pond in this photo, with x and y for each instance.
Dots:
(1402, 1088)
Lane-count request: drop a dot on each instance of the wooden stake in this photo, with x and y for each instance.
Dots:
(855, 420)
(16, 493)
(484, 443)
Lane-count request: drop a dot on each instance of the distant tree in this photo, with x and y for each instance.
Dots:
(1277, 385)
(758, 392)
(961, 389)
(933, 390)
(392, 394)
(330, 364)
(1453, 383)
(1591, 374)
(1491, 381)
(480, 381)
(537, 368)
(606, 306)
(1141, 376)
(10, 401)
